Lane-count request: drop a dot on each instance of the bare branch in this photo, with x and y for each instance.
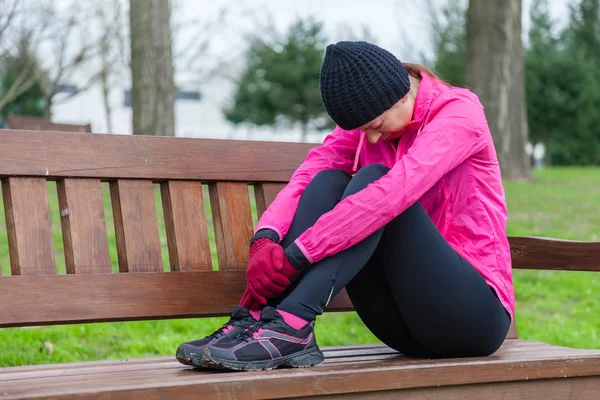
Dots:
(219, 70)
(86, 86)
(199, 61)
(433, 13)
(8, 19)
(111, 52)
(69, 31)
(21, 56)
(24, 81)
(38, 27)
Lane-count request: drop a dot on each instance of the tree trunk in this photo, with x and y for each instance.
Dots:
(48, 101)
(106, 100)
(153, 85)
(304, 132)
(495, 71)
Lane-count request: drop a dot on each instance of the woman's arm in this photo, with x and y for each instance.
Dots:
(336, 152)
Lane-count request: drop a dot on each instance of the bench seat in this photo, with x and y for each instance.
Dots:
(366, 370)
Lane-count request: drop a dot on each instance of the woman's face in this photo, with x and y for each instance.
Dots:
(389, 125)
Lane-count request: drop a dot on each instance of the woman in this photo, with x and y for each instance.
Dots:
(410, 221)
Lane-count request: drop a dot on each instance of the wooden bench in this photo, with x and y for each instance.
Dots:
(36, 295)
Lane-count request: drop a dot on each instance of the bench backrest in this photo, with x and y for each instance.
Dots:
(142, 287)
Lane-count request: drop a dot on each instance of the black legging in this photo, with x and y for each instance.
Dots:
(409, 287)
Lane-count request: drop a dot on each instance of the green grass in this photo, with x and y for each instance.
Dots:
(561, 308)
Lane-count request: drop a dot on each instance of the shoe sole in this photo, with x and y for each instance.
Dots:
(183, 358)
(188, 359)
(304, 359)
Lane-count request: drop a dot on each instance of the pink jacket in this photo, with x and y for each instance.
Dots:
(445, 160)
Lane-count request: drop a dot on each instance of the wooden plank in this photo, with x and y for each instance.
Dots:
(547, 389)
(341, 302)
(78, 298)
(83, 226)
(28, 226)
(373, 377)
(35, 153)
(96, 369)
(136, 226)
(142, 364)
(554, 254)
(265, 193)
(230, 204)
(349, 353)
(185, 221)
(512, 332)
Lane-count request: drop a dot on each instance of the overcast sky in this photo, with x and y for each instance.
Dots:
(401, 26)
(394, 23)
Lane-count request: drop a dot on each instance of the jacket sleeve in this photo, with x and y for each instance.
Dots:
(336, 152)
(456, 132)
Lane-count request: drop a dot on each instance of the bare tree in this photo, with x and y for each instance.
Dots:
(495, 71)
(111, 54)
(69, 46)
(199, 55)
(351, 31)
(152, 74)
(193, 56)
(18, 36)
(55, 43)
(7, 15)
(27, 76)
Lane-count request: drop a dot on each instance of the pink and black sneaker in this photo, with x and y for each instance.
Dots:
(190, 353)
(269, 344)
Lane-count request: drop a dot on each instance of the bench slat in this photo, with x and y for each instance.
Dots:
(185, 221)
(83, 226)
(95, 368)
(125, 368)
(28, 226)
(123, 297)
(136, 226)
(51, 155)
(513, 332)
(265, 193)
(554, 254)
(230, 203)
(558, 388)
(10, 373)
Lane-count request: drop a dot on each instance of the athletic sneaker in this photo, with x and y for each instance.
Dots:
(269, 344)
(241, 320)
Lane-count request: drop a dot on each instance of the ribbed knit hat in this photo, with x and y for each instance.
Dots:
(359, 82)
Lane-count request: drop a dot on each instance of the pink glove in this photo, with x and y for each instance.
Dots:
(249, 301)
(269, 271)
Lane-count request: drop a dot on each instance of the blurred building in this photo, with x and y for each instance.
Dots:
(196, 115)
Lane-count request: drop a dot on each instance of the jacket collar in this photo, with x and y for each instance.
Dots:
(429, 89)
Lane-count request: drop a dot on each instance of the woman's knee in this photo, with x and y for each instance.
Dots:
(364, 177)
(331, 179)
(373, 170)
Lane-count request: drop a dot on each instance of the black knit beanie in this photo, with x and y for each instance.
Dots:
(359, 82)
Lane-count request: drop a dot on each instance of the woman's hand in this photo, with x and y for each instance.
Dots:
(249, 301)
(269, 272)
